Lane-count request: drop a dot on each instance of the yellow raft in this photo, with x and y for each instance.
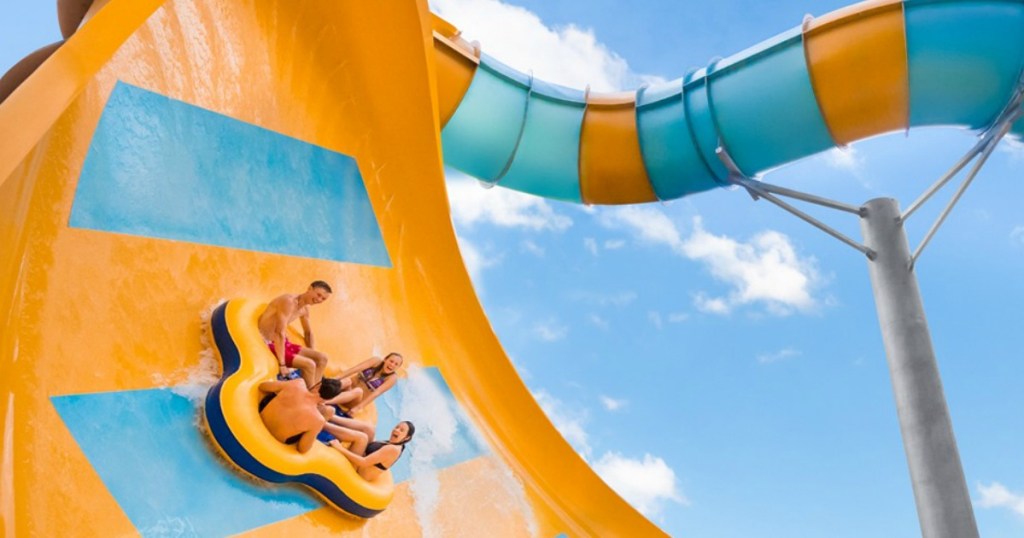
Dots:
(236, 428)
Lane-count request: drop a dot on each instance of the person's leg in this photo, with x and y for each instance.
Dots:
(319, 358)
(357, 439)
(355, 424)
(307, 367)
(348, 396)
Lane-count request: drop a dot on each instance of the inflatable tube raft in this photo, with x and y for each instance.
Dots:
(237, 430)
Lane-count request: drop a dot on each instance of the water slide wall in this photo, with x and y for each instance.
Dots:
(172, 154)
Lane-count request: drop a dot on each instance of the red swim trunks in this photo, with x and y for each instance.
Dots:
(290, 350)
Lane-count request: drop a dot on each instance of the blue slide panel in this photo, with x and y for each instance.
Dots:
(965, 58)
(701, 122)
(764, 105)
(669, 151)
(165, 169)
(169, 482)
(547, 160)
(482, 136)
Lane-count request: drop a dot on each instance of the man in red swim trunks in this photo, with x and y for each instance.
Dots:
(273, 325)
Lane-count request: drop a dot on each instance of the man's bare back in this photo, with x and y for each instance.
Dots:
(293, 415)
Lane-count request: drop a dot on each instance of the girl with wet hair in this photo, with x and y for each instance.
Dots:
(373, 458)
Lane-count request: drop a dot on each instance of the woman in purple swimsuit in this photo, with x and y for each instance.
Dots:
(364, 382)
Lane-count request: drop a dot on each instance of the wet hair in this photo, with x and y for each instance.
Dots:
(329, 388)
(412, 430)
(322, 285)
(377, 370)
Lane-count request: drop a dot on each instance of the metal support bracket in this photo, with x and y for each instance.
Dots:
(990, 138)
(758, 190)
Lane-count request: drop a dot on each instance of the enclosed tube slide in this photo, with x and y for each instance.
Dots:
(871, 68)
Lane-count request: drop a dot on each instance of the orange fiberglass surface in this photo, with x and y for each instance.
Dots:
(233, 113)
(172, 155)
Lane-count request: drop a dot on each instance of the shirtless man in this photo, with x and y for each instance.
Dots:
(294, 414)
(273, 324)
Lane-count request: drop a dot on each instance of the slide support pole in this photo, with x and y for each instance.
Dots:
(940, 490)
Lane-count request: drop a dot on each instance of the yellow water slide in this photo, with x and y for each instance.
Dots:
(174, 154)
(170, 155)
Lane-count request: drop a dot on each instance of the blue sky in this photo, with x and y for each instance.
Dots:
(719, 405)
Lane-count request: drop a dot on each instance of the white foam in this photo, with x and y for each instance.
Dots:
(202, 374)
(437, 419)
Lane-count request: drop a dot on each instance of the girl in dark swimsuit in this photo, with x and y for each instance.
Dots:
(378, 456)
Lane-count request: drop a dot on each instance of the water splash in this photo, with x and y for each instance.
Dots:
(439, 419)
(194, 381)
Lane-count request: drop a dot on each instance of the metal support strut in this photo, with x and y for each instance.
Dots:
(1013, 111)
(940, 490)
(760, 189)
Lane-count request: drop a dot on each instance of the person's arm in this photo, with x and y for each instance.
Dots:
(368, 363)
(385, 456)
(277, 330)
(307, 440)
(388, 383)
(272, 386)
(307, 331)
(325, 411)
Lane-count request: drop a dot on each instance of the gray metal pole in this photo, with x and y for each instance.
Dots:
(943, 502)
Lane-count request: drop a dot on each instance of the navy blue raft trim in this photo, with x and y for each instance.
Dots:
(233, 449)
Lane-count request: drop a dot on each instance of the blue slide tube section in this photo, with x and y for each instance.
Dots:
(965, 59)
(546, 162)
(701, 121)
(482, 135)
(673, 163)
(764, 105)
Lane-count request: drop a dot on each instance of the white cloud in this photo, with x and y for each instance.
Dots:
(655, 319)
(614, 244)
(650, 224)
(711, 305)
(845, 159)
(603, 299)
(995, 495)
(598, 321)
(568, 421)
(781, 355)
(1017, 235)
(678, 317)
(646, 484)
(765, 270)
(612, 404)
(590, 244)
(1014, 147)
(472, 204)
(569, 55)
(475, 261)
(550, 331)
(532, 248)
